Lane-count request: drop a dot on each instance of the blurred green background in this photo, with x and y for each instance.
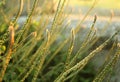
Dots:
(111, 4)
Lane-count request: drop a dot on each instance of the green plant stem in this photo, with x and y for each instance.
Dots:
(43, 56)
(83, 62)
(107, 68)
(27, 21)
(8, 54)
(19, 12)
(84, 43)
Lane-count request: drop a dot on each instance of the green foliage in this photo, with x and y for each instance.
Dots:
(34, 54)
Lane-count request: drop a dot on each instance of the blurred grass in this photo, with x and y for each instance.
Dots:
(33, 53)
(110, 4)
